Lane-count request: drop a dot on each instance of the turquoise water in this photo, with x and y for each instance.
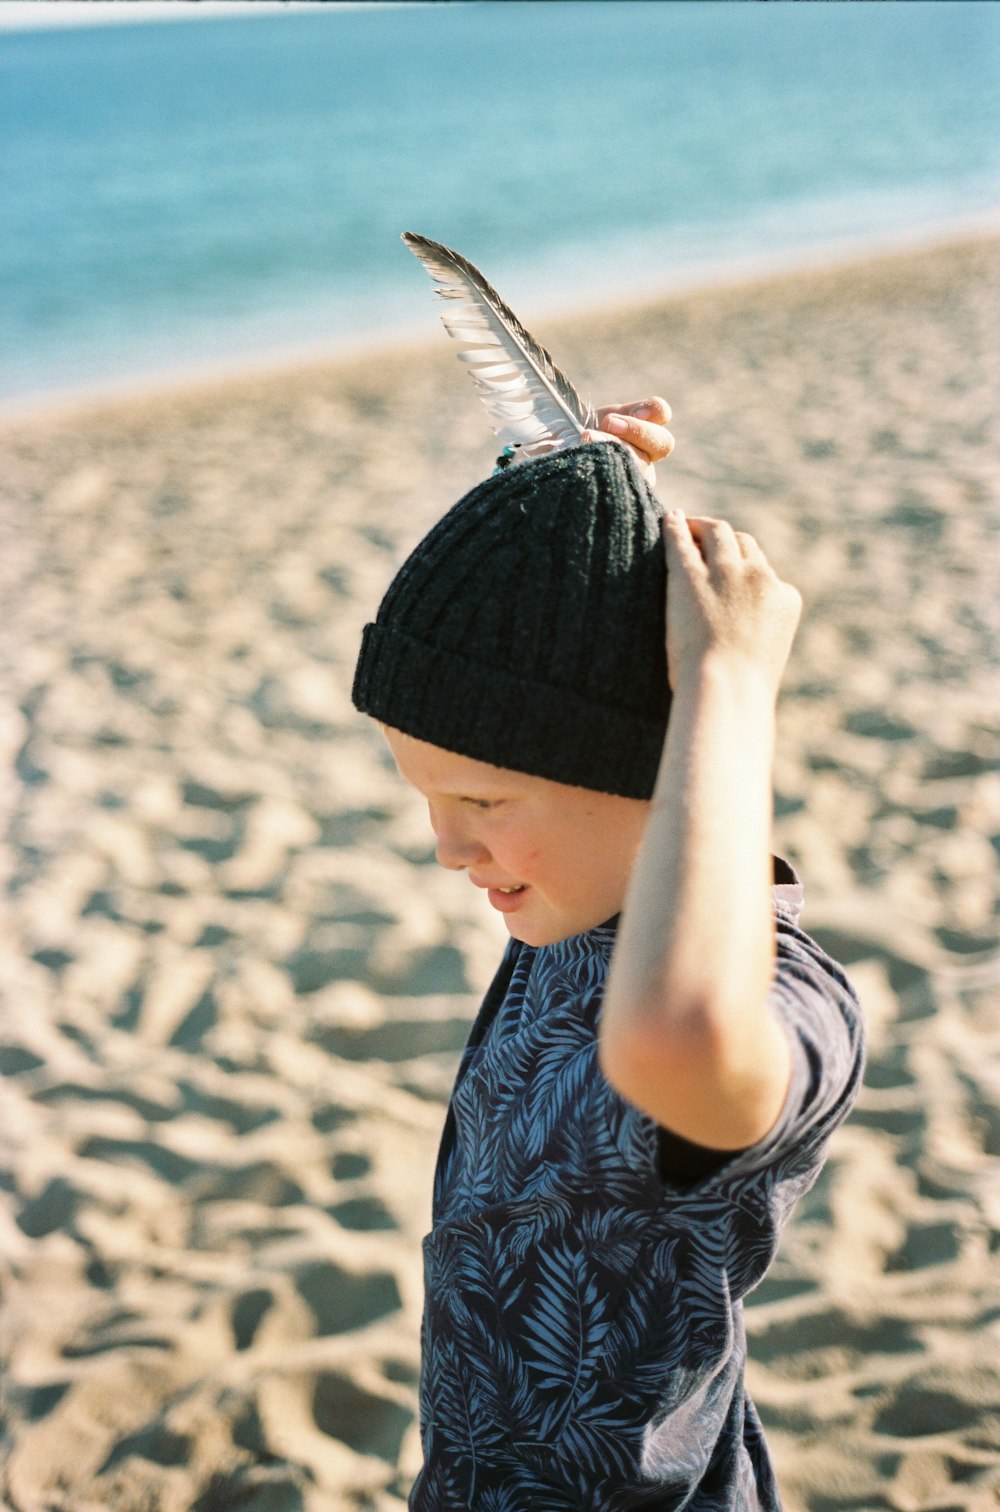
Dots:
(184, 193)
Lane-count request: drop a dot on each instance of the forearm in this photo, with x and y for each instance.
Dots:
(697, 921)
(686, 1031)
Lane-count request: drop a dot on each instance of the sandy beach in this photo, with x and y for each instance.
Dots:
(235, 984)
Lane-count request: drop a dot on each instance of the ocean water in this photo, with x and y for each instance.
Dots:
(199, 192)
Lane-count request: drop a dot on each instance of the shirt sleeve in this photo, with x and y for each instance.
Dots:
(819, 1011)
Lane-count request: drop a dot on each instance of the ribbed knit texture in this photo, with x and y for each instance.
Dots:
(527, 629)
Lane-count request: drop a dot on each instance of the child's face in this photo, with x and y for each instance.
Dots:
(554, 860)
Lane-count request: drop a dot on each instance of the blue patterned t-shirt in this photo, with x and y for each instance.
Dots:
(583, 1341)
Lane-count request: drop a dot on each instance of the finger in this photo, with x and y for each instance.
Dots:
(655, 440)
(679, 542)
(749, 549)
(655, 409)
(643, 458)
(716, 540)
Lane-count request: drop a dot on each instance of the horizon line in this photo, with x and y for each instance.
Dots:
(74, 15)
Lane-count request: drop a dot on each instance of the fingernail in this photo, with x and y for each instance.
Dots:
(616, 425)
(642, 412)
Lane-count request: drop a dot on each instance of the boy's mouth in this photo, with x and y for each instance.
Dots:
(506, 899)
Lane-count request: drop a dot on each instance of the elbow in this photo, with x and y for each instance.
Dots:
(643, 1051)
(715, 1077)
(701, 1017)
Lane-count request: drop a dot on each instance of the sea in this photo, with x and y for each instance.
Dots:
(190, 195)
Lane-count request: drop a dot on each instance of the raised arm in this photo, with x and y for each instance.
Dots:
(686, 1031)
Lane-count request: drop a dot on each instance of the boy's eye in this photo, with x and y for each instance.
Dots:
(483, 803)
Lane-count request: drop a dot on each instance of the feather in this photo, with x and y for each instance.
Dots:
(531, 402)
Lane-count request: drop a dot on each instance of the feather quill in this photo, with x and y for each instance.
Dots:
(531, 402)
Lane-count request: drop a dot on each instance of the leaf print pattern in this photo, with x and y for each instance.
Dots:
(583, 1342)
(563, 1330)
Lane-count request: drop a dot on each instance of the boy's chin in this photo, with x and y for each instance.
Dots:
(545, 932)
(537, 935)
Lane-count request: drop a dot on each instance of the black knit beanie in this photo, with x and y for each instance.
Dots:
(527, 629)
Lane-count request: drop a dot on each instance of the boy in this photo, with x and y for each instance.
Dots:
(659, 1063)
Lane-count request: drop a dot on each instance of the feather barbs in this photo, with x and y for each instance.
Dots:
(531, 402)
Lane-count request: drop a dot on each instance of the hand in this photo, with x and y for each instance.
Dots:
(642, 426)
(724, 601)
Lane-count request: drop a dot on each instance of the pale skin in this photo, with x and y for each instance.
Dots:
(642, 426)
(687, 1033)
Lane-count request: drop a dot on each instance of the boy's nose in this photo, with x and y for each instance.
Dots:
(455, 849)
(456, 852)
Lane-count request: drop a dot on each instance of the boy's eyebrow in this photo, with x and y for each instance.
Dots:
(478, 790)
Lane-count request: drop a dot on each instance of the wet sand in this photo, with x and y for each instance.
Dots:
(235, 984)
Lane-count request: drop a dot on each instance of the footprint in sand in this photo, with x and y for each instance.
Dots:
(256, 1489)
(349, 1164)
(262, 1181)
(15, 1059)
(823, 1339)
(366, 1423)
(365, 1214)
(54, 1208)
(396, 1039)
(156, 1443)
(926, 1244)
(940, 1402)
(248, 1312)
(341, 1300)
(325, 958)
(328, 1117)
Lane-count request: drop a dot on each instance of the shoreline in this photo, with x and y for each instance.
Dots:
(416, 334)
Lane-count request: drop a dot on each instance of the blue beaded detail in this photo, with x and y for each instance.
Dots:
(505, 459)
